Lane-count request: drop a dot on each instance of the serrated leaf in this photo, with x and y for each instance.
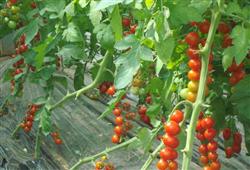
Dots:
(83, 3)
(165, 49)
(200, 5)
(127, 42)
(107, 3)
(116, 23)
(70, 9)
(149, 3)
(72, 33)
(112, 103)
(54, 5)
(45, 121)
(94, 15)
(145, 137)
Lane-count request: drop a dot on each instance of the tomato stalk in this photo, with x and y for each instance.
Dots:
(205, 52)
(88, 87)
(108, 150)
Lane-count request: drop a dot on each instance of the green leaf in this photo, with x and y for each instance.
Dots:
(45, 121)
(107, 3)
(83, 3)
(40, 100)
(112, 103)
(246, 126)
(54, 6)
(145, 136)
(106, 37)
(61, 79)
(219, 113)
(70, 9)
(127, 42)
(201, 5)
(47, 72)
(94, 15)
(79, 77)
(153, 110)
(41, 51)
(72, 33)
(240, 48)
(241, 99)
(149, 3)
(165, 49)
(155, 85)
(116, 23)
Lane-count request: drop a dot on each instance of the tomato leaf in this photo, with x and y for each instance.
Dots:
(219, 113)
(116, 23)
(79, 77)
(107, 3)
(168, 44)
(72, 33)
(145, 137)
(45, 121)
(246, 126)
(83, 3)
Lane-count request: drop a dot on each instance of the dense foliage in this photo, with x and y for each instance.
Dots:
(186, 61)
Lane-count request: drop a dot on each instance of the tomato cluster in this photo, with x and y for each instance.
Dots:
(169, 154)
(108, 88)
(142, 110)
(237, 73)
(56, 138)
(29, 118)
(208, 148)
(232, 142)
(123, 125)
(130, 29)
(103, 164)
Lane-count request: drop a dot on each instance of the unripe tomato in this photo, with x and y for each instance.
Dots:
(192, 39)
(183, 93)
(99, 165)
(12, 24)
(177, 116)
(210, 134)
(193, 75)
(193, 86)
(170, 141)
(162, 165)
(194, 64)
(15, 9)
(115, 139)
(172, 128)
(191, 96)
(204, 26)
(207, 123)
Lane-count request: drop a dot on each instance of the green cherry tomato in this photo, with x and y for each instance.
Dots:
(4, 13)
(15, 9)
(6, 19)
(12, 24)
(15, 17)
(183, 93)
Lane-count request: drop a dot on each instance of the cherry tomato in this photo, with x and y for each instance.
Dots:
(215, 165)
(126, 22)
(12, 24)
(148, 99)
(111, 90)
(142, 110)
(226, 133)
(193, 53)
(119, 120)
(227, 41)
(194, 64)
(177, 116)
(192, 39)
(99, 165)
(118, 130)
(193, 75)
(233, 80)
(229, 152)
(212, 156)
(133, 29)
(58, 141)
(212, 146)
(207, 167)
(54, 134)
(204, 26)
(210, 134)
(203, 149)
(204, 159)
(200, 136)
(170, 141)
(162, 165)
(173, 165)
(117, 111)
(172, 128)
(239, 74)
(33, 5)
(166, 154)
(199, 127)
(207, 123)
(223, 28)
(236, 147)
(115, 139)
(191, 96)
(184, 92)
(193, 86)
(237, 137)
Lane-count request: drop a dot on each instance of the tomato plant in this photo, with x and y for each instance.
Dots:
(186, 63)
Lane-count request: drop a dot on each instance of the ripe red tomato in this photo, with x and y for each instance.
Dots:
(203, 149)
(148, 99)
(115, 139)
(118, 130)
(229, 152)
(239, 74)
(226, 133)
(119, 120)
(224, 28)
(237, 137)
(170, 141)
(236, 147)
(33, 5)
(133, 29)
(126, 106)
(233, 80)
(207, 167)
(192, 39)
(54, 134)
(210, 134)
(215, 165)
(199, 127)
(234, 67)
(209, 80)
(13, 1)
(212, 146)
(204, 26)
(58, 141)
(111, 90)
(200, 136)
(207, 123)
(204, 159)
(142, 110)
(194, 64)
(162, 165)
(193, 86)
(172, 128)
(126, 22)
(227, 41)
(193, 75)
(193, 53)
(212, 156)
(173, 165)
(117, 111)
(166, 154)
(177, 116)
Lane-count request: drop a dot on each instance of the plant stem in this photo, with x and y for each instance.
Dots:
(38, 142)
(13, 134)
(108, 150)
(205, 51)
(88, 87)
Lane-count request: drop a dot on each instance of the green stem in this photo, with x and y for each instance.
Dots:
(205, 51)
(18, 127)
(88, 87)
(108, 150)
(38, 142)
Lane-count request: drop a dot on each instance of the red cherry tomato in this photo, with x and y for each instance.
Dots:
(193, 75)
(119, 120)
(115, 139)
(204, 159)
(229, 152)
(226, 133)
(207, 123)
(170, 141)
(203, 149)
(172, 128)
(212, 156)
(126, 22)
(118, 130)
(194, 64)
(193, 53)
(177, 116)
(204, 26)
(173, 165)
(192, 39)
(224, 28)
(162, 165)
(212, 146)
(210, 134)
(117, 111)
